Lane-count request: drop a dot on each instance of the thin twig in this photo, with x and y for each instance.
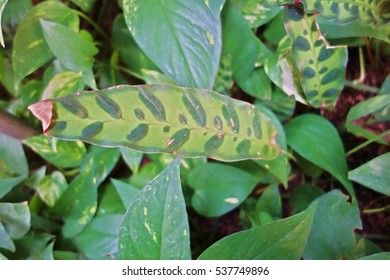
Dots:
(15, 128)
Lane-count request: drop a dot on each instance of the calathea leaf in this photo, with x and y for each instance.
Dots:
(322, 67)
(162, 119)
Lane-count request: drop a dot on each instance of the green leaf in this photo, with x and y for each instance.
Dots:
(33, 247)
(162, 119)
(15, 11)
(378, 256)
(283, 239)
(281, 104)
(317, 140)
(132, 55)
(110, 202)
(278, 166)
(239, 43)
(302, 196)
(224, 79)
(85, 5)
(58, 152)
(7, 74)
(335, 219)
(374, 174)
(257, 85)
(64, 83)
(269, 203)
(373, 105)
(126, 191)
(52, 187)
(322, 67)
(255, 12)
(219, 188)
(191, 31)
(14, 223)
(99, 240)
(2, 6)
(71, 49)
(13, 164)
(156, 225)
(132, 158)
(78, 204)
(30, 49)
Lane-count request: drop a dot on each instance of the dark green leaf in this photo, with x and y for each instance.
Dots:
(378, 256)
(15, 11)
(162, 118)
(58, 152)
(155, 225)
(33, 247)
(374, 174)
(13, 164)
(269, 203)
(335, 219)
(99, 240)
(219, 188)
(79, 202)
(85, 5)
(283, 239)
(110, 201)
(191, 31)
(30, 49)
(257, 85)
(317, 140)
(302, 196)
(14, 223)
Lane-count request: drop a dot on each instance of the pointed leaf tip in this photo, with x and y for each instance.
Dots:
(42, 111)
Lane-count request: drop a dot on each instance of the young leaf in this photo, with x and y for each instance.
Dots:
(2, 6)
(132, 158)
(219, 188)
(85, 5)
(374, 174)
(155, 225)
(322, 67)
(51, 188)
(30, 49)
(78, 204)
(316, 139)
(58, 152)
(162, 118)
(191, 31)
(71, 49)
(126, 191)
(99, 240)
(283, 240)
(336, 219)
(64, 83)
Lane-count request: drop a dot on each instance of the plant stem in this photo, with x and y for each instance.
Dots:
(356, 85)
(14, 127)
(95, 25)
(361, 146)
(376, 210)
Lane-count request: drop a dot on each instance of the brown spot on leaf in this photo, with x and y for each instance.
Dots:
(43, 112)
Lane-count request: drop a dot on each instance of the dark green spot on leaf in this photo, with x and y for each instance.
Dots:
(324, 54)
(92, 130)
(109, 106)
(231, 117)
(243, 147)
(256, 125)
(74, 106)
(308, 73)
(153, 104)
(218, 122)
(182, 119)
(139, 114)
(195, 108)
(331, 76)
(58, 127)
(302, 44)
(212, 145)
(138, 133)
(178, 139)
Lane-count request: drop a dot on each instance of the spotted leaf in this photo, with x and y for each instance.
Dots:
(322, 67)
(162, 119)
(373, 13)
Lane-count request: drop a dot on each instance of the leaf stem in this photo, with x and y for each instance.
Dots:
(356, 85)
(376, 210)
(94, 25)
(361, 146)
(14, 127)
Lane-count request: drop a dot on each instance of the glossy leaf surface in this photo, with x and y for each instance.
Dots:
(219, 188)
(318, 141)
(99, 240)
(155, 226)
(96, 165)
(283, 239)
(374, 174)
(13, 164)
(14, 223)
(336, 219)
(162, 119)
(322, 67)
(30, 49)
(190, 31)
(58, 152)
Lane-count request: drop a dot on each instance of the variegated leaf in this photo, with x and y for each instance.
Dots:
(162, 119)
(367, 12)
(322, 67)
